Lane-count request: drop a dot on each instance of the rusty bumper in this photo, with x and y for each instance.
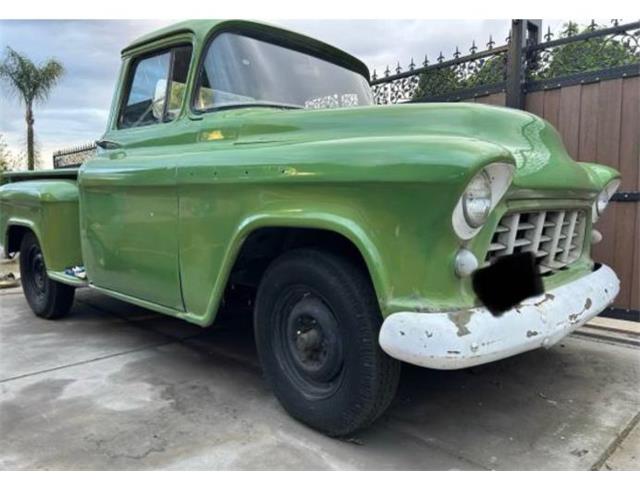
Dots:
(452, 340)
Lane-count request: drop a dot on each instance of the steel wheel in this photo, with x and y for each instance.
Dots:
(47, 298)
(308, 342)
(317, 321)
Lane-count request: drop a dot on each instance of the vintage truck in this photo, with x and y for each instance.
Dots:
(243, 155)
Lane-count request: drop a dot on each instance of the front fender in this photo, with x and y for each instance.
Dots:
(600, 175)
(341, 225)
(392, 198)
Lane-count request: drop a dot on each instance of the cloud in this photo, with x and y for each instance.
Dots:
(77, 110)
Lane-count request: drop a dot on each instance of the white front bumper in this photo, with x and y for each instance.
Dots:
(450, 340)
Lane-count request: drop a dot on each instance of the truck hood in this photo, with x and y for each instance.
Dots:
(542, 161)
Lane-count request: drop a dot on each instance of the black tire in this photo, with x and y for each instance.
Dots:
(316, 325)
(47, 298)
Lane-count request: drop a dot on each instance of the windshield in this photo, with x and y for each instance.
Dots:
(240, 70)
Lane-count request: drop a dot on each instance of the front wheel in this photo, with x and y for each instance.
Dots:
(316, 323)
(47, 298)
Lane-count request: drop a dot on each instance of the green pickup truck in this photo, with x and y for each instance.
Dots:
(241, 155)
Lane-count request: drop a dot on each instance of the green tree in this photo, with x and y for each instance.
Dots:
(444, 80)
(437, 82)
(587, 55)
(32, 84)
(8, 161)
(490, 72)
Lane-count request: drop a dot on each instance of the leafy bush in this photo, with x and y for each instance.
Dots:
(437, 82)
(585, 55)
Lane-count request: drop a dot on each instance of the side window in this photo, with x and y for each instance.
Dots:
(153, 80)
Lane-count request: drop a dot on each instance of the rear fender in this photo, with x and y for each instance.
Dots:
(48, 208)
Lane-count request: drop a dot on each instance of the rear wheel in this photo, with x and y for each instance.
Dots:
(316, 323)
(47, 298)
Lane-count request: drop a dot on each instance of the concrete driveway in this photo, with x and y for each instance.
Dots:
(118, 387)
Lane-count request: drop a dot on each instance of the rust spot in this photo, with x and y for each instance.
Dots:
(547, 297)
(573, 318)
(532, 333)
(460, 320)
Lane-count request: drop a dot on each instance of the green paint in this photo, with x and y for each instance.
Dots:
(161, 221)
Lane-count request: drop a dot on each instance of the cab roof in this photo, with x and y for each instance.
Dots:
(202, 29)
(199, 28)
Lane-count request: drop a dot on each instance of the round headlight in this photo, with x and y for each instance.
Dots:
(476, 200)
(603, 198)
(602, 201)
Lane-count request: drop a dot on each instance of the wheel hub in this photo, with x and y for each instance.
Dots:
(308, 342)
(314, 344)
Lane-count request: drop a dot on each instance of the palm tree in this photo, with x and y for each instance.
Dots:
(31, 83)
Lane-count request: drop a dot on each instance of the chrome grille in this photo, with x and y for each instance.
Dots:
(555, 237)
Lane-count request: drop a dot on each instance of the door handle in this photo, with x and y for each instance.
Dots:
(108, 144)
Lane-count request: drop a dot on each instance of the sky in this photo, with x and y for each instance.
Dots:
(77, 110)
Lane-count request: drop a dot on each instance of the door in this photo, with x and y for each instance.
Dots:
(129, 204)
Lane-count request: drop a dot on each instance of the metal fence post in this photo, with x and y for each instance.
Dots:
(523, 33)
(514, 96)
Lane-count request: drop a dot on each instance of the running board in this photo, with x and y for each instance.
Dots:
(68, 279)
